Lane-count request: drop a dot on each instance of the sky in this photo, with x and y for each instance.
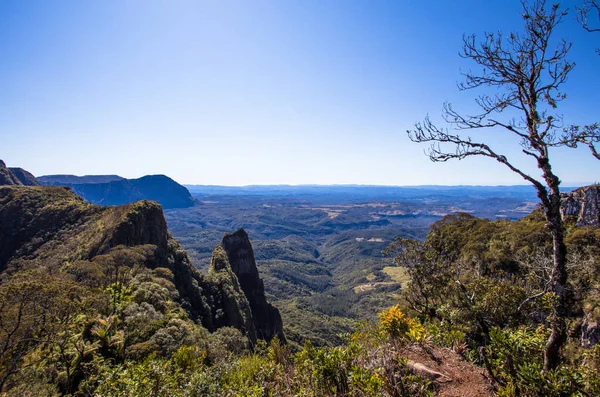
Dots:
(261, 91)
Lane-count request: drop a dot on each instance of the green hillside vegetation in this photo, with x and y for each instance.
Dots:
(86, 288)
(478, 286)
(102, 301)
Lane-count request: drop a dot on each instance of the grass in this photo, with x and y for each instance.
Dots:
(397, 274)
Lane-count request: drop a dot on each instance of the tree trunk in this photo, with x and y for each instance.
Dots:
(558, 278)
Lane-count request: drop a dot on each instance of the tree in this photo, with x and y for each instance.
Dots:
(587, 9)
(37, 310)
(586, 135)
(526, 76)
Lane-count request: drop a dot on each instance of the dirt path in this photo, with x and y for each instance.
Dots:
(465, 378)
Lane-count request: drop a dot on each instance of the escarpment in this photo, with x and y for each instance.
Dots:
(52, 229)
(240, 254)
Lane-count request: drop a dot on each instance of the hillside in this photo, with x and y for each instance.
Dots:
(7, 177)
(115, 190)
(123, 270)
(115, 307)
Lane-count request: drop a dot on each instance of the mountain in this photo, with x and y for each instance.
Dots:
(25, 177)
(61, 180)
(115, 190)
(51, 229)
(7, 177)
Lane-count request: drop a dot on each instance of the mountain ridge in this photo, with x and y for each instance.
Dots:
(116, 190)
(51, 228)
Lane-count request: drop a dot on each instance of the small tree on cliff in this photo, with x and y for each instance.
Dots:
(525, 75)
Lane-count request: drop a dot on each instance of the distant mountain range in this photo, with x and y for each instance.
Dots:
(116, 190)
(59, 180)
(362, 193)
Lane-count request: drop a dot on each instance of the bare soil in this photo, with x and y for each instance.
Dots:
(465, 378)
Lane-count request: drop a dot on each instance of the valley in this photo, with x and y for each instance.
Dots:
(319, 249)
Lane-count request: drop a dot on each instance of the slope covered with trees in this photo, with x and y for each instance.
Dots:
(84, 288)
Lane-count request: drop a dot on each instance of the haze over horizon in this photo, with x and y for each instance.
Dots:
(239, 93)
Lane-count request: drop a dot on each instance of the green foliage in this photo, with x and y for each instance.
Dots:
(479, 287)
(515, 360)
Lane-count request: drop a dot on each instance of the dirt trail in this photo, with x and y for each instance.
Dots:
(465, 378)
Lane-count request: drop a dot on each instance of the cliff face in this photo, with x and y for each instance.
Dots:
(51, 228)
(583, 203)
(232, 306)
(115, 190)
(240, 255)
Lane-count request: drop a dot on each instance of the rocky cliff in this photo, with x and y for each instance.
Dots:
(584, 204)
(240, 255)
(51, 228)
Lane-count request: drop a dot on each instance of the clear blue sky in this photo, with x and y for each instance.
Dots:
(257, 92)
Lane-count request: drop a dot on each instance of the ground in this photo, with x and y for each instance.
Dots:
(461, 378)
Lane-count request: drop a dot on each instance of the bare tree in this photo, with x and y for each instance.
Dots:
(589, 9)
(587, 135)
(588, 15)
(526, 75)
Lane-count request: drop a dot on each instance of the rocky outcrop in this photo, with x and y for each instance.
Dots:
(584, 204)
(143, 222)
(25, 177)
(115, 190)
(266, 318)
(7, 177)
(232, 307)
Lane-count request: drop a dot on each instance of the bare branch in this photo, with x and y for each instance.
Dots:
(587, 135)
(588, 8)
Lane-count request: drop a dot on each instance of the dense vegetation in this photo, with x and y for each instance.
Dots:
(480, 287)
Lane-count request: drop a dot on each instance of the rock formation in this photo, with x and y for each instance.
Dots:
(240, 255)
(584, 204)
(233, 307)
